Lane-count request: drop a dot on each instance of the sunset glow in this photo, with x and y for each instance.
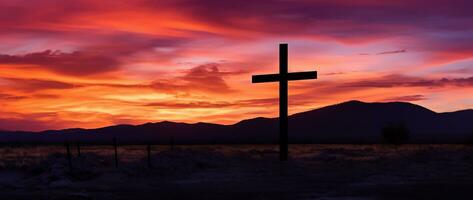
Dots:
(94, 63)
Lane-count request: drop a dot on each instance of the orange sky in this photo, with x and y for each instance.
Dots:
(94, 63)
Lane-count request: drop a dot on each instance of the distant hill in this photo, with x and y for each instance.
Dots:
(349, 122)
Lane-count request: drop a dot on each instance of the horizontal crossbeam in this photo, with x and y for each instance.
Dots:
(290, 77)
(265, 78)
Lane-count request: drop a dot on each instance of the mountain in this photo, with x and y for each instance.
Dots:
(349, 122)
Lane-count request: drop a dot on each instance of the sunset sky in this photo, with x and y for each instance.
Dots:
(92, 63)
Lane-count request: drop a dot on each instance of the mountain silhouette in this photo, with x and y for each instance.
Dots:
(348, 122)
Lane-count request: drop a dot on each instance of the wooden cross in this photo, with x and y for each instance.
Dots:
(283, 77)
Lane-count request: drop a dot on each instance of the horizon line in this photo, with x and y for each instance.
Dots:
(239, 121)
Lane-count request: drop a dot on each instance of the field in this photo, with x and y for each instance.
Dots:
(239, 172)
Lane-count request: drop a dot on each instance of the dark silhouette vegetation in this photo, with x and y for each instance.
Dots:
(395, 133)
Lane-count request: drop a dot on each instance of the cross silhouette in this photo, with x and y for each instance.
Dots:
(283, 77)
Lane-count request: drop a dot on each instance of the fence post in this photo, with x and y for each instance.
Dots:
(116, 152)
(68, 152)
(148, 149)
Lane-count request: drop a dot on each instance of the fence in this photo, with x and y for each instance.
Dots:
(133, 152)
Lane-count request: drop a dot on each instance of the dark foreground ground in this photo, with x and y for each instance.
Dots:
(330, 172)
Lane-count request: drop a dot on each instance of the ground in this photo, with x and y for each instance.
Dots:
(331, 172)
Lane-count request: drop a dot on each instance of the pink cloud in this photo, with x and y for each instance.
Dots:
(407, 98)
(32, 85)
(406, 81)
(207, 78)
(75, 63)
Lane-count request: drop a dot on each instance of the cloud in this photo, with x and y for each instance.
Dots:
(384, 88)
(40, 121)
(392, 52)
(336, 19)
(247, 103)
(13, 124)
(9, 97)
(45, 96)
(384, 52)
(333, 73)
(33, 121)
(32, 85)
(190, 105)
(406, 81)
(465, 70)
(409, 98)
(85, 52)
(74, 63)
(207, 78)
(259, 102)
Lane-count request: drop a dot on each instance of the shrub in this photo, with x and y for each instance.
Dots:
(395, 133)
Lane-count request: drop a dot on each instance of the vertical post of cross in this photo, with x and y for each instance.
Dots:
(283, 103)
(282, 78)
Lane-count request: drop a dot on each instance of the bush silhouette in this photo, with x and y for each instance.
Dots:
(395, 133)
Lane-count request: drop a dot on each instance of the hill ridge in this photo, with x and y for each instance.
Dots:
(346, 122)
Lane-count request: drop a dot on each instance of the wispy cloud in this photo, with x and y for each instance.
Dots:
(408, 98)
(396, 80)
(392, 52)
(384, 52)
(75, 63)
(32, 85)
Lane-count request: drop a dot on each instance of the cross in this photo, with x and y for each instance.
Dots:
(283, 77)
